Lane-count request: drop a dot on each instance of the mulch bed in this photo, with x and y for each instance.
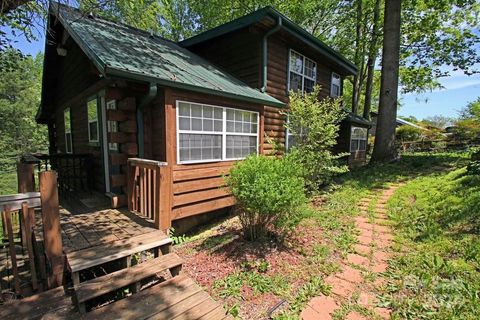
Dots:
(224, 251)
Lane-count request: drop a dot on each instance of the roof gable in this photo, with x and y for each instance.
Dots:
(287, 24)
(123, 51)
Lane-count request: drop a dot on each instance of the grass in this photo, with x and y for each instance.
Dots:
(436, 275)
(318, 244)
(8, 182)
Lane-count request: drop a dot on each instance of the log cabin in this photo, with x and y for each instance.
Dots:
(164, 121)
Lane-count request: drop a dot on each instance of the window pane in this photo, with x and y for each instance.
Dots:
(184, 123)
(354, 145)
(184, 109)
(230, 114)
(363, 145)
(68, 142)
(207, 125)
(200, 147)
(93, 130)
(92, 110)
(308, 85)
(207, 112)
(66, 120)
(295, 82)
(196, 124)
(240, 146)
(218, 126)
(296, 62)
(310, 69)
(196, 110)
(335, 91)
(218, 113)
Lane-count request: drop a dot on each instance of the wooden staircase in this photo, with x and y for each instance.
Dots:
(136, 278)
(140, 279)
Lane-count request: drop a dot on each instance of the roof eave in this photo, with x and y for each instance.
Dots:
(110, 71)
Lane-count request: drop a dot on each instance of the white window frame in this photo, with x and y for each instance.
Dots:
(335, 76)
(112, 126)
(303, 75)
(93, 120)
(358, 139)
(69, 130)
(222, 133)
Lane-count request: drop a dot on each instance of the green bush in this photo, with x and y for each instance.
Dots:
(269, 194)
(408, 133)
(314, 125)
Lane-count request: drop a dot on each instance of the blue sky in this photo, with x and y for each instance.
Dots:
(459, 90)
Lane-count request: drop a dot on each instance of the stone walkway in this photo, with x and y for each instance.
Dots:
(354, 287)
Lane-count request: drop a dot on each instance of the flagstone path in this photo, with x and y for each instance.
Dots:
(360, 277)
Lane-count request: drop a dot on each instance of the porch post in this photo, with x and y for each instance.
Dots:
(52, 236)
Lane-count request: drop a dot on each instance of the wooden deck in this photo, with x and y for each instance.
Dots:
(96, 227)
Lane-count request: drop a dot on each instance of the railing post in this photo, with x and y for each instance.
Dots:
(130, 185)
(26, 177)
(165, 198)
(51, 227)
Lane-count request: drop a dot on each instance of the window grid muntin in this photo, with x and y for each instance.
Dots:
(112, 126)
(303, 75)
(224, 133)
(358, 139)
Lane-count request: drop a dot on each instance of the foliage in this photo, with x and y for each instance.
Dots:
(438, 121)
(408, 133)
(438, 224)
(176, 239)
(314, 125)
(269, 193)
(19, 100)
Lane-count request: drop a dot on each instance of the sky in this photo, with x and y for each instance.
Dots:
(459, 89)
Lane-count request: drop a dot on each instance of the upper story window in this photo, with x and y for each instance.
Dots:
(68, 130)
(302, 73)
(213, 133)
(358, 140)
(335, 85)
(92, 120)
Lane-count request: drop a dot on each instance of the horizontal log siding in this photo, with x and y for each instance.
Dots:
(200, 188)
(238, 53)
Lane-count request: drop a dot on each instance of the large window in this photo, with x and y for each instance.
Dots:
(302, 73)
(358, 141)
(92, 110)
(213, 133)
(335, 85)
(68, 130)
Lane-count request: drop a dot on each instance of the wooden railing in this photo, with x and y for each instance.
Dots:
(18, 221)
(149, 190)
(44, 258)
(74, 170)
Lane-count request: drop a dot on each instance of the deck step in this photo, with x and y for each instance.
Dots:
(98, 255)
(52, 304)
(176, 298)
(99, 286)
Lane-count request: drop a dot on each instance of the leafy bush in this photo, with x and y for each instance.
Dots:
(314, 125)
(269, 193)
(408, 133)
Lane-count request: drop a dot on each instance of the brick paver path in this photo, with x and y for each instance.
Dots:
(360, 277)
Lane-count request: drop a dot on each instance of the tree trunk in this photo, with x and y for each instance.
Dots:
(358, 49)
(372, 57)
(384, 148)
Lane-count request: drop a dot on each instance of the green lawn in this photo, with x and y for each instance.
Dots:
(250, 278)
(436, 275)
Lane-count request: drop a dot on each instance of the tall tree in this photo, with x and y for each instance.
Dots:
(384, 148)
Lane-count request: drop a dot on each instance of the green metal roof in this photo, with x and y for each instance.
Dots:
(287, 24)
(351, 117)
(120, 50)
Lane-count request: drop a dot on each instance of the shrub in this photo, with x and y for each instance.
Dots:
(314, 125)
(269, 193)
(408, 133)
